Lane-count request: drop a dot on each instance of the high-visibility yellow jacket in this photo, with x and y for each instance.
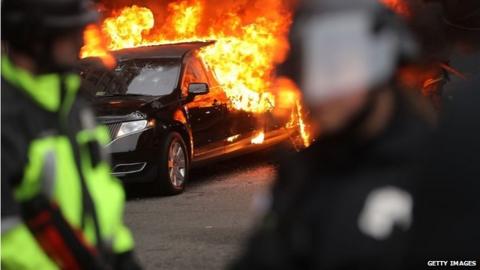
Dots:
(44, 124)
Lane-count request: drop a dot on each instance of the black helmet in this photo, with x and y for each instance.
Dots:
(29, 26)
(47, 14)
(461, 22)
(341, 38)
(461, 14)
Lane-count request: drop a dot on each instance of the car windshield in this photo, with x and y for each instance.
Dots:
(137, 77)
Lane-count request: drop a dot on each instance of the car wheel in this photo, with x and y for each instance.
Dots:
(174, 169)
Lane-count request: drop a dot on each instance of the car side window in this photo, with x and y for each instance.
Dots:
(194, 73)
(216, 89)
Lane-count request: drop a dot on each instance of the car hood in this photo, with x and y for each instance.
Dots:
(126, 108)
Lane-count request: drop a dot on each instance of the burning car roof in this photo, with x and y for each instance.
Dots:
(174, 51)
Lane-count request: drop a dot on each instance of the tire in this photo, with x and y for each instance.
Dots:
(174, 166)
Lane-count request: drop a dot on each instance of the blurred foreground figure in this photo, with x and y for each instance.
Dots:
(446, 216)
(446, 30)
(345, 202)
(61, 208)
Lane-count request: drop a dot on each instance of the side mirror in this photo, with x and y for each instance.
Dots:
(196, 89)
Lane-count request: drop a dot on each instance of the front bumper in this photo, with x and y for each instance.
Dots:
(135, 157)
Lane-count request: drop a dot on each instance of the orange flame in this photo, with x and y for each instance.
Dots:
(251, 39)
(185, 18)
(244, 56)
(399, 6)
(96, 46)
(302, 126)
(259, 138)
(126, 29)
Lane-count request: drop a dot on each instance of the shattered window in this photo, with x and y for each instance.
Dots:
(149, 78)
(136, 77)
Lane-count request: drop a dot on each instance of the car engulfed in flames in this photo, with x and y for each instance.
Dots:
(250, 40)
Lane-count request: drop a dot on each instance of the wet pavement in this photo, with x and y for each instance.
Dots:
(204, 228)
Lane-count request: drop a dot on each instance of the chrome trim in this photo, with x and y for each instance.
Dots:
(176, 164)
(144, 164)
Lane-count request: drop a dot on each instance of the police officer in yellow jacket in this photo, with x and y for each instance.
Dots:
(61, 208)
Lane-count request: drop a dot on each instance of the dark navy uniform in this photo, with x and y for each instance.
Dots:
(344, 203)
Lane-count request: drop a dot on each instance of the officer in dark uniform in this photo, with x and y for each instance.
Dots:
(345, 202)
(446, 30)
(446, 220)
(61, 208)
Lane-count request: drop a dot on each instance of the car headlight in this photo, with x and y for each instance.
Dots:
(131, 127)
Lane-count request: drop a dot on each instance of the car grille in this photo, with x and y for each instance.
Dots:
(113, 129)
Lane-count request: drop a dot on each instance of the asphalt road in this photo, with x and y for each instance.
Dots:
(206, 227)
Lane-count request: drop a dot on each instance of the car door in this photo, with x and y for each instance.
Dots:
(240, 125)
(207, 113)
